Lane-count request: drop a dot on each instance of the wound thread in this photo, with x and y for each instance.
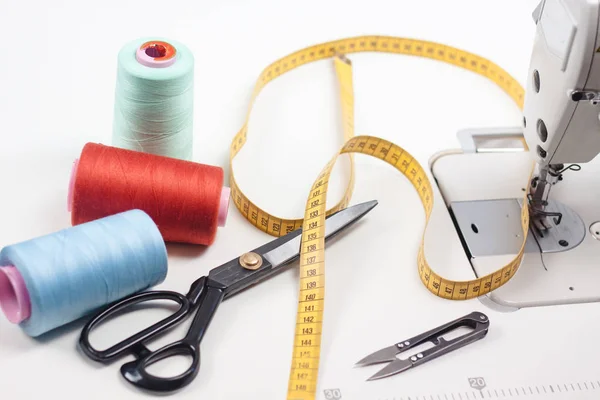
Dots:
(154, 96)
(55, 279)
(186, 200)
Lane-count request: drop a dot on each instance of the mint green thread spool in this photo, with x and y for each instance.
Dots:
(154, 98)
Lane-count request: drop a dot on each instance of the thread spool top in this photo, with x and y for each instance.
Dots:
(14, 297)
(223, 203)
(156, 54)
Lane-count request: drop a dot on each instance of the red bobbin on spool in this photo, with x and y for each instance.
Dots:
(186, 200)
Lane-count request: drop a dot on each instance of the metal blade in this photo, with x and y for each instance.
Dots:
(395, 367)
(386, 354)
(335, 223)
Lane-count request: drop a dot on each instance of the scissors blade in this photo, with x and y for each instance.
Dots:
(387, 354)
(335, 223)
(393, 368)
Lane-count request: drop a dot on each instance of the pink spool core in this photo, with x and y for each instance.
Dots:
(156, 54)
(223, 206)
(14, 297)
(72, 185)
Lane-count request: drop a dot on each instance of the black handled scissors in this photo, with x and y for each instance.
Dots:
(204, 297)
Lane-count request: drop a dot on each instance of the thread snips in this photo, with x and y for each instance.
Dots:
(477, 321)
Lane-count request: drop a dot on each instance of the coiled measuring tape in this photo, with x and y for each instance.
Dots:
(307, 343)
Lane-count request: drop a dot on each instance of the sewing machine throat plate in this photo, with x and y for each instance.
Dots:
(493, 227)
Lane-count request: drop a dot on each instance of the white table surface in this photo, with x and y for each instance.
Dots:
(57, 74)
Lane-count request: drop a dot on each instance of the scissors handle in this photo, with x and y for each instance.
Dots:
(133, 344)
(136, 372)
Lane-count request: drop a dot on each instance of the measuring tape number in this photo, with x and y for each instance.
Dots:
(307, 343)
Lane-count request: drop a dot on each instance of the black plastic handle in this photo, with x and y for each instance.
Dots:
(135, 371)
(133, 344)
(477, 321)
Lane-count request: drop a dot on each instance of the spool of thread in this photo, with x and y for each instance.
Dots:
(154, 98)
(186, 200)
(58, 278)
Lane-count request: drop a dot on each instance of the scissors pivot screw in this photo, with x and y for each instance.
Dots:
(251, 261)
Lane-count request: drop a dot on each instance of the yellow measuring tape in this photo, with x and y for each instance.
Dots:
(305, 361)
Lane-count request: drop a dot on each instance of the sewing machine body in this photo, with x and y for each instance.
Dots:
(560, 139)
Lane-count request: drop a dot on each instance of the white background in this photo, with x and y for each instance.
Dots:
(57, 74)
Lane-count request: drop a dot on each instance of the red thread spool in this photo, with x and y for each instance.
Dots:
(186, 200)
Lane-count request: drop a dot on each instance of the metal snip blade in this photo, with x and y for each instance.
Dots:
(386, 354)
(392, 368)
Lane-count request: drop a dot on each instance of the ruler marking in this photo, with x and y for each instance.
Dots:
(396, 163)
(578, 384)
(566, 388)
(572, 387)
(311, 229)
(307, 290)
(586, 387)
(538, 389)
(558, 387)
(312, 276)
(530, 391)
(503, 393)
(408, 165)
(592, 385)
(523, 389)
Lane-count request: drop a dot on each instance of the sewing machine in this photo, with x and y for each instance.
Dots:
(560, 136)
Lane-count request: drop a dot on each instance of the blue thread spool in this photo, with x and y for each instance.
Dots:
(58, 278)
(154, 98)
